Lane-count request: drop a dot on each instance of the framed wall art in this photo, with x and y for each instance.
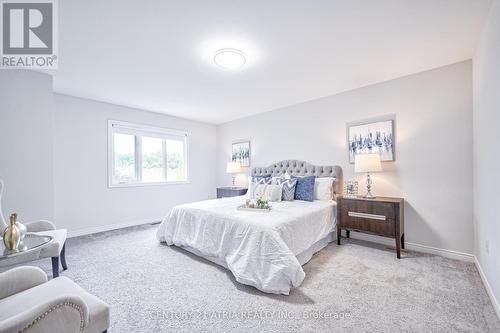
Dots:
(371, 137)
(241, 153)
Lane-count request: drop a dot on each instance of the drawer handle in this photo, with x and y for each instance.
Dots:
(367, 216)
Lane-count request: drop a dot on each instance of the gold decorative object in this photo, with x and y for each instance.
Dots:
(11, 235)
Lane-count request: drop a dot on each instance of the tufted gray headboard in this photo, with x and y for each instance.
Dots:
(301, 168)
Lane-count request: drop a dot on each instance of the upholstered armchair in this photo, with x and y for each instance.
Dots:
(29, 303)
(56, 249)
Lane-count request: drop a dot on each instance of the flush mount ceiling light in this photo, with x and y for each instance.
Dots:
(229, 58)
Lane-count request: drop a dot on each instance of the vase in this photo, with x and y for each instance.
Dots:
(11, 235)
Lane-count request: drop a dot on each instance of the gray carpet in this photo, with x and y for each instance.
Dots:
(357, 287)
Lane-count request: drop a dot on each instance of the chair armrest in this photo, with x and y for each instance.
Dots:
(41, 225)
(68, 314)
(19, 279)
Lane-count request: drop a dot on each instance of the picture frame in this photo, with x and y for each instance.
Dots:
(373, 136)
(240, 152)
(351, 188)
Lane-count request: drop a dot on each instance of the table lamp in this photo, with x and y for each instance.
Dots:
(367, 163)
(233, 168)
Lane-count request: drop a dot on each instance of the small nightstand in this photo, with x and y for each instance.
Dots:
(381, 216)
(226, 192)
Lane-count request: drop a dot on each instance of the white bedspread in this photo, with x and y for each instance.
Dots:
(259, 248)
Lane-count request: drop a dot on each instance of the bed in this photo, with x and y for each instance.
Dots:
(264, 250)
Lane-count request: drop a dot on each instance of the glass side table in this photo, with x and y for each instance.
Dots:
(31, 243)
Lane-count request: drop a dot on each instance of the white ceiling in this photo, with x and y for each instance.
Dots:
(157, 55)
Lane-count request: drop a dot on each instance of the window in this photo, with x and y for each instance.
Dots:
(140, 155)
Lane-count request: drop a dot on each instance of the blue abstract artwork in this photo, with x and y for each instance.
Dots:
(376, 137)
(241, 153)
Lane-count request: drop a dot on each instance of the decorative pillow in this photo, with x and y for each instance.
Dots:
(258, 179)
(275, 180)
(253, 182)
(266, 179)
(273, 192)
(258, 190)
(305, 188)
(323, 188)
(288, 188)
(251, 187)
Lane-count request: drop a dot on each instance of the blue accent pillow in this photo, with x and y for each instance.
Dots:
(305, 188)
(288, 188)
(264, 179)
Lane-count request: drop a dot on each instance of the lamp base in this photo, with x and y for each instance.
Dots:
(369, 194)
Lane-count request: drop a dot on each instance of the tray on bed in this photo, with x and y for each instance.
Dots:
(243, 207)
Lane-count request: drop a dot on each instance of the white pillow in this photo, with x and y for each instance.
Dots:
(268, 192)
(258, 189)
(251, 188)
(273, 192)
(323, 188)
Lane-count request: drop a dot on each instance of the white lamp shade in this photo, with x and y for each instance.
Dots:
(367, 163)
(233, 167)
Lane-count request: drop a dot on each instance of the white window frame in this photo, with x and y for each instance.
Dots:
(139, 130)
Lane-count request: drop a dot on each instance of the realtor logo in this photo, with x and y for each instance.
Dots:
(28, 34)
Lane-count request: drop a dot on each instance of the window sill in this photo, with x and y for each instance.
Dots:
(148, 184)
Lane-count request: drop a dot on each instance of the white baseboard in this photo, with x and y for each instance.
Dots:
(487, 285)
(108, 227)
(415, 247)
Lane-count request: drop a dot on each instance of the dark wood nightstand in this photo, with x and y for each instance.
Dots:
(381, 216)
(226, 192)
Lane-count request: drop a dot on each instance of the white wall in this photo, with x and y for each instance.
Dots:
(26, 129)
(83, 200)
(487, 149)
(53, 159)
(433, 165)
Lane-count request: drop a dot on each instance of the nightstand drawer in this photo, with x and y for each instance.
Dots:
(380, 227)
(368, 209)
